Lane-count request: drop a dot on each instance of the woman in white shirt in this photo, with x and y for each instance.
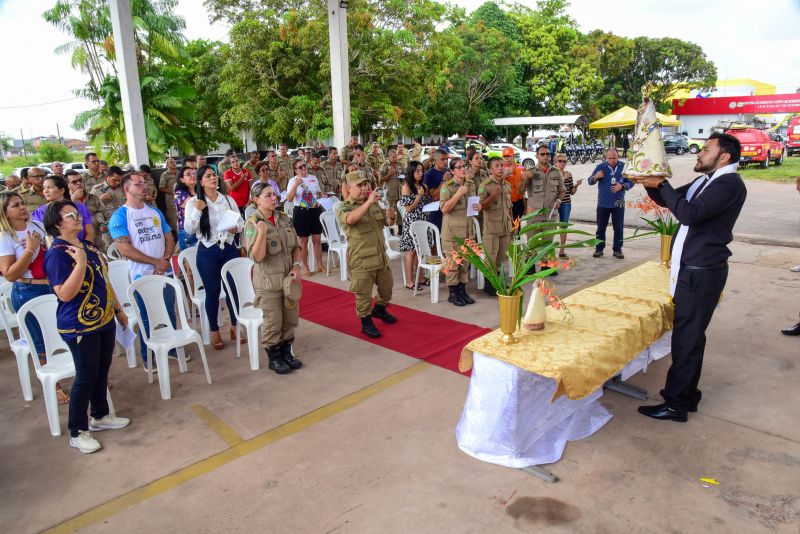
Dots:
(215, 219)
(303, 191)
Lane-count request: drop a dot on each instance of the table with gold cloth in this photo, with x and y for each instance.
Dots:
(526, 400)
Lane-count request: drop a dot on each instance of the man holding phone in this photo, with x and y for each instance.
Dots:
(611, 187)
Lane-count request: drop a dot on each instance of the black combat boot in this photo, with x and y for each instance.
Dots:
(368, 327)
(276, 362)
(288, 357)
(462, 289)
(489, 290)
(455, 296)
(379, 312)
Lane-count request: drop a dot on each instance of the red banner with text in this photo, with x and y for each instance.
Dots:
(789, 103)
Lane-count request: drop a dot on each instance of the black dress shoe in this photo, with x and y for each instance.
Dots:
(695, 401)
(793, 331)
(619, 255)
(664, 412)
(597, 253)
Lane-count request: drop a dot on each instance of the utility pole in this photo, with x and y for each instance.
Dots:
(22, 136)
(340, 71)
(58, 131)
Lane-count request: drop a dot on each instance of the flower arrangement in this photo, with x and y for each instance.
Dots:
(540, 248)
(664, 223)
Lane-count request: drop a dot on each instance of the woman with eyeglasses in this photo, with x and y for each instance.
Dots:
(454, 198)
(565, 208)
(54, 189)
(214, 218)
(414, 198)
(22, 250)
(185, 189)
(85, 317)
(271, 242)
(303, 191)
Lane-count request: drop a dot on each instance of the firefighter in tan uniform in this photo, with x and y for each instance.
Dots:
(495, 196)
(272, 244)
(390, 178)
(330, 176)
(362, 219)
(286, 164)
(545, 187)
(453, 197)
(375, 158)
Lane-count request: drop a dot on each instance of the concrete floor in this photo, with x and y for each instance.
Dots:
(362, 438)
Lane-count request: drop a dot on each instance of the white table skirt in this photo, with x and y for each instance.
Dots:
(509, 418)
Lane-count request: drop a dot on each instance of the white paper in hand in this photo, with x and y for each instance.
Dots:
(471, 201)
(229, 220)
(125, 336)
(433, 206)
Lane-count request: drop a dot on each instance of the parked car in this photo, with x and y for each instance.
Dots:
(525, 158)
(77, 166)
(793, 135)
(758, 147)
(676, 144)
(214, 159)
(426, 151)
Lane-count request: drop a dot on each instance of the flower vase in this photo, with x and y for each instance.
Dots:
(509, 316)
(666, 250)
(536, 315)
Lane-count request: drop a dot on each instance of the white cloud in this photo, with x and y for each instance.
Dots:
(743, 42)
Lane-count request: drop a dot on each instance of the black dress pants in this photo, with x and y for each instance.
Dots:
(696, 296)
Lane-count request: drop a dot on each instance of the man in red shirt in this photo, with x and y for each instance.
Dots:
(237, 181)
(514, 174)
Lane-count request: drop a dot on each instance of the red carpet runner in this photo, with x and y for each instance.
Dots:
(437, 340)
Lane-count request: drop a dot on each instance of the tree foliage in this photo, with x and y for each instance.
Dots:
(53, 152)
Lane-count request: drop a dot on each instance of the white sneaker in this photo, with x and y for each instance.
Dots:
(175, 357)
(85, 442)
(795, 269)
(109, 422)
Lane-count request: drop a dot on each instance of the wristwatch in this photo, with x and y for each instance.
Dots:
(297, 264)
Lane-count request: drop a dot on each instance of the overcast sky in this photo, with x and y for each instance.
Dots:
(743, 40)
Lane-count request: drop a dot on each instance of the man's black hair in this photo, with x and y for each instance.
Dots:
(728, 144)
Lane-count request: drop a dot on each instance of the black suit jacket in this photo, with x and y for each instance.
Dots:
(710, 217)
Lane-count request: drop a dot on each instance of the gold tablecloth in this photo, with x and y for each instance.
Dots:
(614, 321)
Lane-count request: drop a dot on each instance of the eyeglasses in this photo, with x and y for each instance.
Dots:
(299, 167)
(75, 182)
(74, 215)
(37, 176)
(543, 154)
(561, 161)
(458, 167)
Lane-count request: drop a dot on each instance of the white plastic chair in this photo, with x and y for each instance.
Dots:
(187, 262)
(19, 346)
(112, 253)
(163, 337)
(419, 233)
(473, 272)
(337, 242)
(60, 364)
(392, 252)
(247, 315)
(119, 277)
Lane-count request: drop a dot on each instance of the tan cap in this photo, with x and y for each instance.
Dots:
(355, 177)
(292, 291)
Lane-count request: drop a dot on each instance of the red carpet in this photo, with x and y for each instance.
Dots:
(437, 340)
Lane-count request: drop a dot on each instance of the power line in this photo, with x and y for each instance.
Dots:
(41, 104)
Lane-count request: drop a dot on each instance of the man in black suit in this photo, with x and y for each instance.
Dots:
(707, 209)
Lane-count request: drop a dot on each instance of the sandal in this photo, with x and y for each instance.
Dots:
(61, 395)
(307, 273)
(216, 340)
(242, 340)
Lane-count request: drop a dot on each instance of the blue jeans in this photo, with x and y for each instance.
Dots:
(169, 300)
(617, 221)
(186, 240)
(209, 262)
(563, 212)
(92, 357)
(22, 293)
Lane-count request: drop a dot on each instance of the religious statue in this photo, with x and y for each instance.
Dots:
(649, 157)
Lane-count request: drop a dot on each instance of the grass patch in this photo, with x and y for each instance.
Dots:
(786, 173)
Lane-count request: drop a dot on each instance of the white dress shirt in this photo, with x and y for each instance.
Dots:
(680, 237)
(216, 213)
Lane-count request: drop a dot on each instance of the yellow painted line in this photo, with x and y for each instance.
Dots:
(222, 429)
(173, 480)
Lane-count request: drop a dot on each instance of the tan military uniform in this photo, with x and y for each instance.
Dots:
(117, 195)
(376, 161)
(366, 248)
(278, 177)
(456, 224)
(393, 184)
(32, 199)
(287, 166)
(497, 223)
(416, 152)
(403, 160)
(366, 169)
(330, 177)
(100, 217)
(152, 190)
(543, 191)
(347, 153)
(90, 180)
(167, 181)
(280, 322)
(250, 167)
(222, 166)
(479, 176)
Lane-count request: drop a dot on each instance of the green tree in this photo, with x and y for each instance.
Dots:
(53, 152)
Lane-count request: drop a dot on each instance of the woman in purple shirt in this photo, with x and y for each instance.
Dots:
(55, 188)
